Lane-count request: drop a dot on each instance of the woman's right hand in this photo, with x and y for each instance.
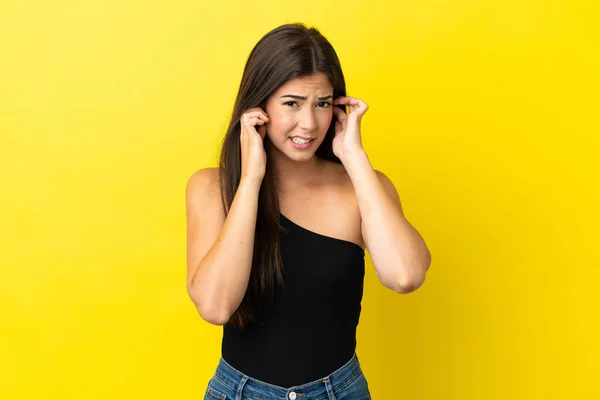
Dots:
(254, 157)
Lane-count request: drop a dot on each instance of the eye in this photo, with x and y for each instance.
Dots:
(324, 104)
(291, 103)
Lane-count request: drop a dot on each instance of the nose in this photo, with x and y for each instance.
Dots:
(307, 119)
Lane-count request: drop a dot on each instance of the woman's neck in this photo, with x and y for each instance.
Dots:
(291, 173)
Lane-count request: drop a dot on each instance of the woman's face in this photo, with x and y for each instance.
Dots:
(299, 115)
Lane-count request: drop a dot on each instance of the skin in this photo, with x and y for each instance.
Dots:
(308, 118)
(351, 201)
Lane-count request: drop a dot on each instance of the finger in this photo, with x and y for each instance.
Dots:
(351, 101)
(361, 107)
(343, 100)
(340, 114)
(247, 118)
(253, 121)
(261, 115)
(257, 113)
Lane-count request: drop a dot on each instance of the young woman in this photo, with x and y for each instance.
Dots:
(276, 235)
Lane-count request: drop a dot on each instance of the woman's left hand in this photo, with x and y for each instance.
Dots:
(347, 127)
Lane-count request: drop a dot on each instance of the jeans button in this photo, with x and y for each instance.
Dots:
(292, 396)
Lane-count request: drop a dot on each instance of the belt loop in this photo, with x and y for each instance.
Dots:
(329, 388)
(238, 394)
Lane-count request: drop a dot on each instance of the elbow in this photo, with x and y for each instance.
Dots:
(406, 287)
(214, 317)
(213, 314)
(210, 311)
(410, 279)
(409, 285)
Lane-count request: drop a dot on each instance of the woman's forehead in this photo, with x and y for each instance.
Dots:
(308, 84)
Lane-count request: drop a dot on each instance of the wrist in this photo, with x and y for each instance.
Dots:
(354, 157)
(250, 182)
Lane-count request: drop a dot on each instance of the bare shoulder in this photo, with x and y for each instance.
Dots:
(389, 187)
(206, 179)
(203, 196)
(204, 214)
(384, 179)
(338, 178)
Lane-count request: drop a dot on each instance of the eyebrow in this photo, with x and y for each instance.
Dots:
(293, 96)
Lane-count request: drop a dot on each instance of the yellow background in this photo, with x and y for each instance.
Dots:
(484, 114)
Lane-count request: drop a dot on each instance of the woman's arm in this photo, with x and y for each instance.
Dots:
(399, 253)
(219, 248)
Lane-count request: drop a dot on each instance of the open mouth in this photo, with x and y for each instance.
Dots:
(301, 141)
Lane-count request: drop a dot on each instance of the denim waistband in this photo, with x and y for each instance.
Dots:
(323, 388)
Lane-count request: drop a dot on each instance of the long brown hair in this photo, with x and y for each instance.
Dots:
(287, 52)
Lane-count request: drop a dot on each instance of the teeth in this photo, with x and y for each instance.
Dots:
(297, 140)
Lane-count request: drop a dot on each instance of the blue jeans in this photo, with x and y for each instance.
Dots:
(347, 383)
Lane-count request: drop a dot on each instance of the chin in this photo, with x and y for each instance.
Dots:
(300, 157)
